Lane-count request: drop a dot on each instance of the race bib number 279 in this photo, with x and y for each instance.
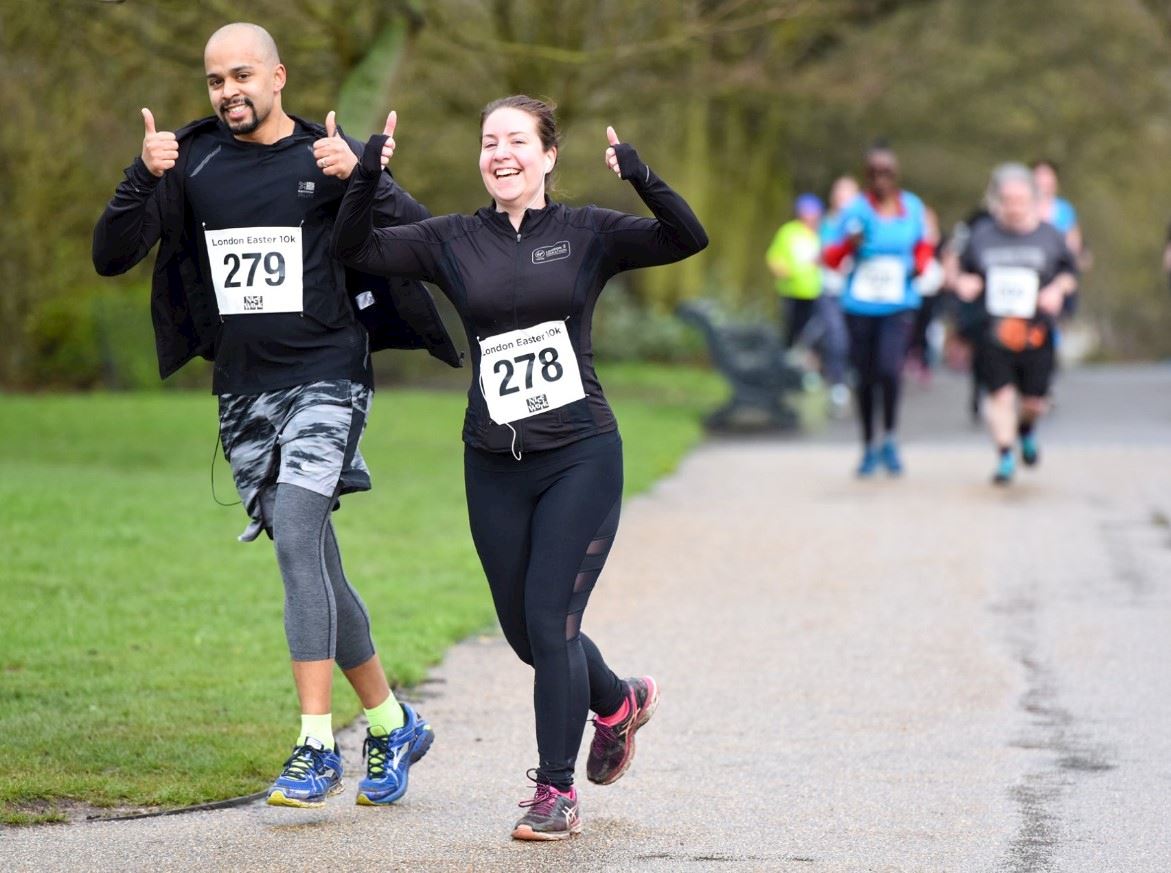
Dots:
(529, 371)
(256, 269)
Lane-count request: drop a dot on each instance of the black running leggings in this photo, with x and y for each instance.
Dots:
(543, 527)
(878, 346)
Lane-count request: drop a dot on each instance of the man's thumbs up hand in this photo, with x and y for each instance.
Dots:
(160, 149)
(333, 154)
(388, 132)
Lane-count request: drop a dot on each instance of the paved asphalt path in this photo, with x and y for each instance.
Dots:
(919, 675)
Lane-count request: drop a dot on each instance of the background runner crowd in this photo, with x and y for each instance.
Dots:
(872, 281)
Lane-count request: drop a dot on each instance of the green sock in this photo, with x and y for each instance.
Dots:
(385, 717)
(320, 727)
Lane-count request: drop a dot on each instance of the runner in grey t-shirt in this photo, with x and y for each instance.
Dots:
(1022, 270)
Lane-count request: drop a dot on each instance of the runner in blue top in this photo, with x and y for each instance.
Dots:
(1059, 212)
(883, 229)
(1054, 209)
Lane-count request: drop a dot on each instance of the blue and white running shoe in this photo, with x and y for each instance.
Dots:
(311, 774)
(389, 759)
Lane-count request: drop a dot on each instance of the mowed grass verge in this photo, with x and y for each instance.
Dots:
(142, 652)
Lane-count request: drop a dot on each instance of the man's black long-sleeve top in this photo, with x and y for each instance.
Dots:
(146, 209)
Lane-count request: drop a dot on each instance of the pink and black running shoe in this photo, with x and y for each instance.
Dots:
(612, 748)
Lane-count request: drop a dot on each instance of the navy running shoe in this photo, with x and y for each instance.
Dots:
(389, 759)
(311, 774)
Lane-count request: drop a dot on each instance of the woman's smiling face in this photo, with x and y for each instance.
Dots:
(513, 160)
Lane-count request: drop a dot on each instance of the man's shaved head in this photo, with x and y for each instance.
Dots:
(244, 81)
(241, 32)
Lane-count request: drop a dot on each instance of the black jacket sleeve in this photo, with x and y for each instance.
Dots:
(411, 251)
(394, 206)
(131, 223)
(632, 241)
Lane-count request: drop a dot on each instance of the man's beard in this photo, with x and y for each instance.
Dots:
(244, 127)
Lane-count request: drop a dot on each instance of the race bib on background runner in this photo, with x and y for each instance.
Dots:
(1011, 292)
(881, 279)
(529, 371)
(256, 270)
(806, 251)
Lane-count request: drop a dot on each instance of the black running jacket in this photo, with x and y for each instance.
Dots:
(146, 210)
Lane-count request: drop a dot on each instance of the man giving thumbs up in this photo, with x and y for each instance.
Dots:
(244, 203)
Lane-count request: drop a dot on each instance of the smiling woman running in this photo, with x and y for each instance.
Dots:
(543, 458)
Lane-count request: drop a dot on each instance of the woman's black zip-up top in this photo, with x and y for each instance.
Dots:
(501, 280)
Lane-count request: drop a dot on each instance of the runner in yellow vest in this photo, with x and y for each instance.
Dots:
(794, 257)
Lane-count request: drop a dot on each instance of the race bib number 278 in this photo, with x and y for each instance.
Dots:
(529, 371)
(256, 269)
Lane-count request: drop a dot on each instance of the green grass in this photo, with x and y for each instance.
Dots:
(142, 656)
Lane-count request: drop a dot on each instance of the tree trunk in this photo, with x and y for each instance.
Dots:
(366, 95)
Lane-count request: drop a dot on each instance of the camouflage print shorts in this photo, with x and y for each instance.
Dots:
(306, 435)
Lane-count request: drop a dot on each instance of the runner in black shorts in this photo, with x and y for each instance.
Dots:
(242, 204)
(543, 459)
(1022, 270)
(968, 317)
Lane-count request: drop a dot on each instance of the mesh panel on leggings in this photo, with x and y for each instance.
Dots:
(573, 625)
(600, 546)
(583, 583)
(590, 569)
